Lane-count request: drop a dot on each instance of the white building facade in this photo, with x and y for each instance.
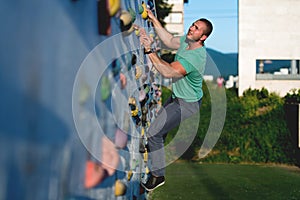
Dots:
(174, 21)
(269, 30)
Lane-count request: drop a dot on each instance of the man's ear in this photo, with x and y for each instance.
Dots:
(203, 38)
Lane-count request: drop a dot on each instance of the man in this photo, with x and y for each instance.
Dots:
(187, 69)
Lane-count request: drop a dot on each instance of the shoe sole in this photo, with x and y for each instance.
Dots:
(149, 190)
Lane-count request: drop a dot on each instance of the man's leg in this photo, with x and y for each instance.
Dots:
(173, 112)
(167, 119)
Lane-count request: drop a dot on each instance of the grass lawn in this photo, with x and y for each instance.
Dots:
(190, 181)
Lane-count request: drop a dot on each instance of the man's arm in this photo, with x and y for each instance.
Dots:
(167, 70)
(167, 38)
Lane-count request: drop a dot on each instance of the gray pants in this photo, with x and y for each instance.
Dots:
(173, 112)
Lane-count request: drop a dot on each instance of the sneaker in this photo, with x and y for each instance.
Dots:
(153, 182)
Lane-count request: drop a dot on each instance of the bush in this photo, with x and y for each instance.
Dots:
(291, 107)
(255, 130)
(293, 96)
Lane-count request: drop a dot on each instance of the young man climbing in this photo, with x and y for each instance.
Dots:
(187, 73)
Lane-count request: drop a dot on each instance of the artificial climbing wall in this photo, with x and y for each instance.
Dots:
(117, 94)
(62, 93)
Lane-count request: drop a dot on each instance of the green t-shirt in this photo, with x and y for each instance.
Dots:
(189, 87)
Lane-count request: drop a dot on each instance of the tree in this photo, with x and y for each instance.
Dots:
(162, 10)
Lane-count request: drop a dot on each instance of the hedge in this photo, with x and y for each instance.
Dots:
(255, 130)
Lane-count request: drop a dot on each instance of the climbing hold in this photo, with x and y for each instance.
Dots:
(158, 93)
(116, 67)
(141, 9)
(134, 111)
(134, 164)
(144, 116)
(128, 32)
(114, 6)
(144, 78)
(128, 61)
(94, 174)
(144, 13)
(142, 147)
(120, 139)
(147, 170)
(125, 21)
(120, 188)
(133, 59)
(150, 4)
(147, 88)
(129, 175)
(103, 17)
(133, 14)
(138, 72)
(151, 34)
(142, 95)
(131, 101)
(110, 156)
(154, 86)
(84, 93)
(143, 98)
(105, 88)
(146, 156)
(147, 69)
(137, 32)
(123, 80)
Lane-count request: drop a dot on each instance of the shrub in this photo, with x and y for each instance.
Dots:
(255, 130)
(293, 96)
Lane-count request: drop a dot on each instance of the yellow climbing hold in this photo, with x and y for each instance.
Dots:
(129, 175)
(120, 188)
(144, 13)
(135, 112)
(114, 6)
(146, 156)
(137, 32)
(138, 72)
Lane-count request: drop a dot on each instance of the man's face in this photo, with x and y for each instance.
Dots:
(196, 31)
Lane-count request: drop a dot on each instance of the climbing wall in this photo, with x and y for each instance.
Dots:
(127, 99)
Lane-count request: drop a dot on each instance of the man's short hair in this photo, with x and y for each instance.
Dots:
(209, 26)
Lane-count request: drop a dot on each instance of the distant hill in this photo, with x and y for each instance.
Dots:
(227, 64)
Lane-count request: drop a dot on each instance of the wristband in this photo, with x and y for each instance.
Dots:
(149, 51)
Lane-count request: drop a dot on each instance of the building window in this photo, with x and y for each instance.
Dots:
(277, 69)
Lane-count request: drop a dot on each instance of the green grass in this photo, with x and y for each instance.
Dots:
(228, 181)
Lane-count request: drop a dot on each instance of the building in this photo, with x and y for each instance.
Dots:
(174, 21)
(269, 31)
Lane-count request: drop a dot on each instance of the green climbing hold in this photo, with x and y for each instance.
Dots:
(141, 9)
(105, 88)
(133, 14)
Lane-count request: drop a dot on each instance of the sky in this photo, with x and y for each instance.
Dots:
(224, 16)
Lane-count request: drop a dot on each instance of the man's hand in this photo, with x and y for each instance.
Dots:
(151, 16)
(145, 40)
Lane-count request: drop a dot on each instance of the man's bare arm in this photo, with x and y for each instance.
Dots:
(167, 38)
(167, 70)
